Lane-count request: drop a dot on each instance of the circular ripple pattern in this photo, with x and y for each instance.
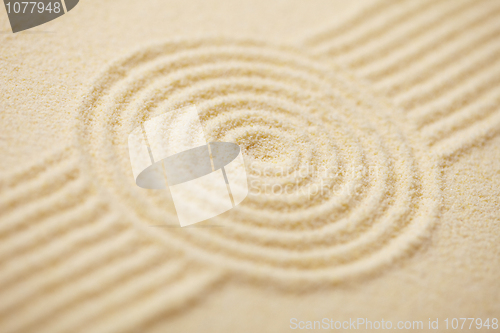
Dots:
(337, 188)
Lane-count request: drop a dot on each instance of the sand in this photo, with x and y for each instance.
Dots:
(397, 100)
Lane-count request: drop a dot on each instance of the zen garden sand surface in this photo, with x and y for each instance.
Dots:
(398, 100)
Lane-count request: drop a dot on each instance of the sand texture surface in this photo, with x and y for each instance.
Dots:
(399, 101)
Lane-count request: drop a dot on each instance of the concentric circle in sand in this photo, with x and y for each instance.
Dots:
(339, 186)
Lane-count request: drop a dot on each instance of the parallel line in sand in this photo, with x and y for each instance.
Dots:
(392, 19)
(439, 61)
(165, 275)
(461, 97)
(32, 239)
(420, 50)
(406, 36)
(357, 20)
(451, 149)
(462, 119)
(114, 278)
(52, 181)
(38, 211)
(36, 169)
(15, 273)
(75, 257)
(410, 53)
(447, 88)
(152, 307)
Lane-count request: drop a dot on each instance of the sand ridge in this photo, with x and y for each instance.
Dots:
(440, 66)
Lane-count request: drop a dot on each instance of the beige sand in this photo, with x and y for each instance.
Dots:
(400, 97)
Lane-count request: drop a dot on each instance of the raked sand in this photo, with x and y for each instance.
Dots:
(399, 100)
